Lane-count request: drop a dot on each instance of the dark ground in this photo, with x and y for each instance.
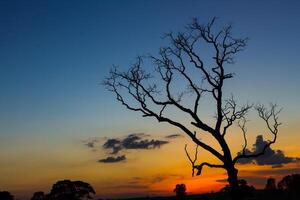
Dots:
(257, 195)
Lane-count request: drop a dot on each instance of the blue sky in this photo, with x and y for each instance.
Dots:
(54, 55)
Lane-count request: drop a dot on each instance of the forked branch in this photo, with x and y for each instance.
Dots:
(242, 125)
(193, 161)
(199, 167)
(232, 112)
(270, 117)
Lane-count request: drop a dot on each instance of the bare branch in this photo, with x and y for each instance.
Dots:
(192, 160)
(242, 125)
(231, 112)
(132, 82)
(269, 116)
(199, 167)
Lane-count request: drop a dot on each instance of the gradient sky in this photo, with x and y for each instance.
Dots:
(54, 55)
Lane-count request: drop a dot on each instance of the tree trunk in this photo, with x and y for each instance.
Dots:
(232, 173)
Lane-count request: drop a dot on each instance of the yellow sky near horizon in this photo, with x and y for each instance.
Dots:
(35, 165)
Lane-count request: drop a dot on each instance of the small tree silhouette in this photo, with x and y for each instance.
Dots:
(38, 196)
(244, 190)
(4, 195)
(71, 190)
(271, 184)
(180, 190)
(290, 185)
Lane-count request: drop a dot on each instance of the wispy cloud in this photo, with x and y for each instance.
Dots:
(173, 136)
(91, 142)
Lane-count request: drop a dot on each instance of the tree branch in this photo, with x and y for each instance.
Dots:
(199, 167)
(231, 112)
(242, 125)
(268, 116)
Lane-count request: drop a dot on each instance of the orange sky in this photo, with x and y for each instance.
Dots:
(30, 168)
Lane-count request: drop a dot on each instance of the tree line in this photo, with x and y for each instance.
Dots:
(287, 188)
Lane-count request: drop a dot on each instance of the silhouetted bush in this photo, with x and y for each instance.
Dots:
(271, 184)
(66, 190)
(71, 190)
(180, 191)
(38, 196)
(244, 190)
(4, 195)
(291, 186)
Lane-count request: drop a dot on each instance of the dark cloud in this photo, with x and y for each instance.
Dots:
(269, 172)
(276, 158)
(172, 136)
(277, 166)
(132, 141)
(113, 144)
(111, 159)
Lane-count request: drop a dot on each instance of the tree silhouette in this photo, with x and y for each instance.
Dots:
(4, 195)
(70, 190)
(271, 184)
(184, 78)
(244, 189)
(291, 185)
(38, 196)
(180, 190)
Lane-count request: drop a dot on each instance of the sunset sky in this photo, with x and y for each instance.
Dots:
(55, 115)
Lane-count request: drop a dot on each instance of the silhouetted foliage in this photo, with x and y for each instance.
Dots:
(290, 185)
(180, 190)
(70, 190)
(4, 195)
(38, 196)
(156, 94)
(271, 184)
(244, 190)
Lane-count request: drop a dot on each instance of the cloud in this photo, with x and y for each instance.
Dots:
(111, 159)
(156, 178)
(276, 158)
(114, 145)
(277, 166)
(91, 142)
(132, 141)
(172, 136)
(271, 172)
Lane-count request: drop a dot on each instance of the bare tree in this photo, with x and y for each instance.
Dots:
(180, 64)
